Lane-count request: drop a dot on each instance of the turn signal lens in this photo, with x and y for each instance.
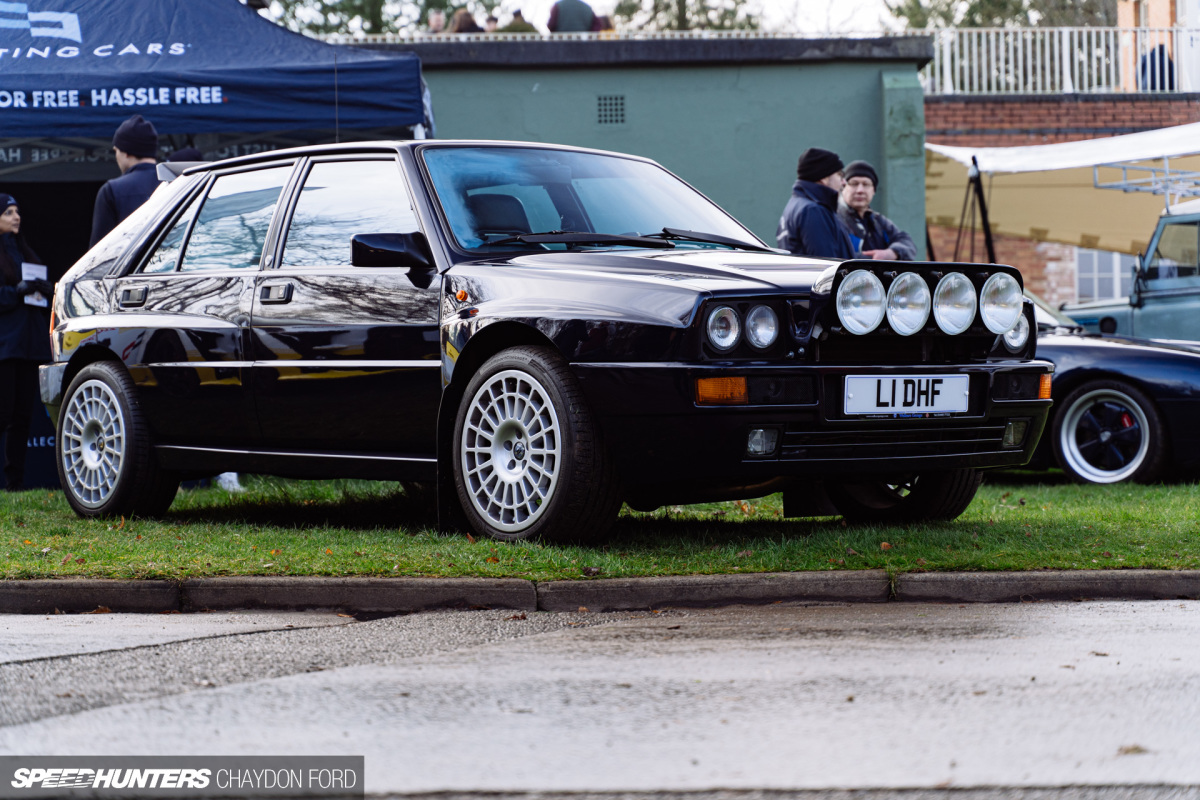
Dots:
(1044, 388)
(721, 392)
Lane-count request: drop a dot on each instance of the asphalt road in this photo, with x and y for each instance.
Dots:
(900, 700)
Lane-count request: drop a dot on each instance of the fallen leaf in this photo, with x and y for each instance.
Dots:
(276, 552)
(492, 560)
(345, 615)
(850, 551)
(28, 542)
(518, 616)
(100, 610)
(122, 525)
(1107, 554)
(591, 571)
(79, 561)
(1132, 750)
(66, 558)
(583, 609)
(1006, 495)
(922, 561)
(1021, 501)
(745, 553)
(470, 538)
(328, 552)
(884, 546)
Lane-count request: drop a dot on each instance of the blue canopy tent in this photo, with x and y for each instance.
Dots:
(209, 73)
(74, 68)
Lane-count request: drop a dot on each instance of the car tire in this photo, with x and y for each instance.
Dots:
(104, 453)
(925, 497)
(1108, 432)
(529, 462)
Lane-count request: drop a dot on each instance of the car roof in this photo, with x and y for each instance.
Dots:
(392, 146)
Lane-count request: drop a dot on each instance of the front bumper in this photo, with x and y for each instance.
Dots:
(659, 434)
(50, 383)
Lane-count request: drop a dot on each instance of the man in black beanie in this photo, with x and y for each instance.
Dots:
(136, 146)
(872, 233)
(809, 225)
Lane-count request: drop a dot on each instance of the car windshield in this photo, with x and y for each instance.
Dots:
(1048, 316)
(492, 195)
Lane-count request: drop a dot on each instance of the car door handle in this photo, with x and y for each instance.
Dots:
(275, 293)
(132, 297)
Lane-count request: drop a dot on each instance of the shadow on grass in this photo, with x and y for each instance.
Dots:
(374, 511)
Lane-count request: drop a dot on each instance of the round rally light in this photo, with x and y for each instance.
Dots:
(908, 304)
(860, 301)
(762, 327)
(954, 303)
(724, 329)
(1017, 335)
(1000, 302)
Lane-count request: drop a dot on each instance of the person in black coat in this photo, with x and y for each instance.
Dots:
(872, 233)
(24, 342)
(136, 146)
(810, 225)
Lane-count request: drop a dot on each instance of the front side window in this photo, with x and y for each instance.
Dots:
(1175, 256)
(341, 199)
(232, 226)
(492, 193)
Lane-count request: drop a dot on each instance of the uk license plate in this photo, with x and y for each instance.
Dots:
(907, 394)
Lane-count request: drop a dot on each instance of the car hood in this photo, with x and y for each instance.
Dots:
(717, 271)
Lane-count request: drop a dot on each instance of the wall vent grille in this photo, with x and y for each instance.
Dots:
(610, 109)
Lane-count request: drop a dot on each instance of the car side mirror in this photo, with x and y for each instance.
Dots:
(1139, 280)
(391, 250)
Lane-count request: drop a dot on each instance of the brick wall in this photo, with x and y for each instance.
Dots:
(990, 121)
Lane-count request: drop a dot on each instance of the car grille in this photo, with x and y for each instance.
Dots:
(869, 441)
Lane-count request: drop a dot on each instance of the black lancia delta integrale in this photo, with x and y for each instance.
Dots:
(543, 332)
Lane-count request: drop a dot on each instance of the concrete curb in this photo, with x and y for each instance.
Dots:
(1010, 587)
(624, 594)
(87, 594)
(358, 594)
(398, 595)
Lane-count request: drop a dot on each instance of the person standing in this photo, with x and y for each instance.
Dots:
(872, 233)
(571, 16)
(24, 342)
(136, 146)
(810, 225)
(518, 24)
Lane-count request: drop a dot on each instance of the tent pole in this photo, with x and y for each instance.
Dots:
(977, 180)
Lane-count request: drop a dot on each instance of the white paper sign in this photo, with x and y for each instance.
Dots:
(30, 272)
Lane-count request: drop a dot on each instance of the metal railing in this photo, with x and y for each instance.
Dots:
(1063, 60)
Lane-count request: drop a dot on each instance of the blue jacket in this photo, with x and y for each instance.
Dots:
(810, 226)
(120, 197)
(874, 231)
(24, 329)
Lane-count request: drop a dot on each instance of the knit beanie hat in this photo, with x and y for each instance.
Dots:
(6, 200)
(137, 137)
(817, 164)
(861, 169)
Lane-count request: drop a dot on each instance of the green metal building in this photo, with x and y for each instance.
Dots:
(728, 113)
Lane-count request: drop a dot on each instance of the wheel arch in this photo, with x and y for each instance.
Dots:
(484, 344)
(89, 354)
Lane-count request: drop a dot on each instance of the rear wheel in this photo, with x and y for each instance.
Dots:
(923, 497)
(528, 460)
(105, 458)
(1108, 432)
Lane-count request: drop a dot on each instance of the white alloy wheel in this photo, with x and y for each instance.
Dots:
(93, 443)
(1104, 436)
(511, 450)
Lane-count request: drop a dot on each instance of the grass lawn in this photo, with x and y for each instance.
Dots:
(1019, 521)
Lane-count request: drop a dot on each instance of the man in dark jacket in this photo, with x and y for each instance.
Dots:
(873, 233)
(569, 16)
(809, 225)
(136, 147)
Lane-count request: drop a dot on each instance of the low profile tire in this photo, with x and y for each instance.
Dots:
(105, 459)
(926, 497)
(1108, 432)
(528, 459)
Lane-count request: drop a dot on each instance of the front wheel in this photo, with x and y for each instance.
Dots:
(105, 459)
(1109, 432)
(529, 462)
(924, 497)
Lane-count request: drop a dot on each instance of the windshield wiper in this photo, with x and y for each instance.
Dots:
(709, 238)
(583, 237)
